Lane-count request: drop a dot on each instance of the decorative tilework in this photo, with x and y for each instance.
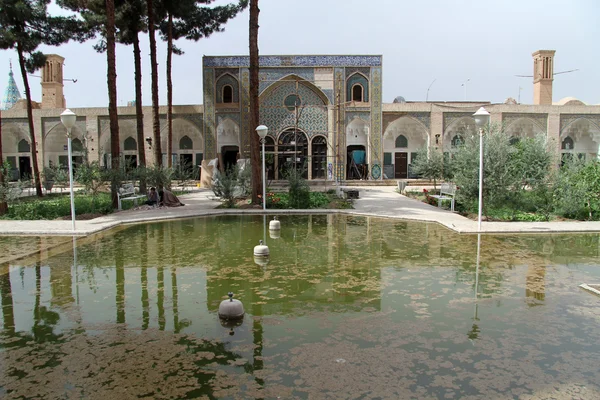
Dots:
(312, 115)
(231, 81)
(245, 115)
(11, 93)
(233, 116)
(340, 131)
(541, 120)
(294, 61)
(568, 119)
(422, 117)
(195, 119)
(269, 76)
(210, 140)
(227, 110)
(364, 71)
(235, 72)
(376, 117)
(450, 117)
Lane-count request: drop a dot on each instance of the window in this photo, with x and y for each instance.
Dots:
(357, 93)
(567, 144)
(130, 144)
(23, 146)
(76, 145)
(401, 141)
(186, 143)
(292, 101)
(457, 141)
(227, 94)
(387, 158)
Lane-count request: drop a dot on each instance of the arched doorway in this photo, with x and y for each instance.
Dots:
(24, 150)
(130, 153)
(292, 150)
(319, 157)
(356, 165)
(186, 154)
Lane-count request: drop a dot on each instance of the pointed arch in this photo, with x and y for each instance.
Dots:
(186, 143)
(463, 127)
(411, 128)
(228, 133)
(287, 79)
(227, 80)
(130, 144)
(23, 146)
(357, 132)
(361, 80)
(524, 127)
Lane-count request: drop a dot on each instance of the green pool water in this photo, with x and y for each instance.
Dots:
(347, 308)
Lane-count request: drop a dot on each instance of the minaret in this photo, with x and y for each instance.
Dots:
(11, 94)
(52, 82)
(543, 75)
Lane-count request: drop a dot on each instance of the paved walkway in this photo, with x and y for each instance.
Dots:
(378, 201)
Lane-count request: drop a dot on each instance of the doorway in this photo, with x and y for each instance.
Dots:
(401, 165)
(186, 162)
(356, 164)
(24, 168)
(229, 155)
(130, 162)
(319, 157)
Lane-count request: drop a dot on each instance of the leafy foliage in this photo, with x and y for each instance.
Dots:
(226, 186)
(299, 191)
(57, 206)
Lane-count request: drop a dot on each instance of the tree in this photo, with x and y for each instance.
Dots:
(254, 105)
(129, 22)
(186, 18)
(154, 74)
(430, 165)
(510, 170)
(24, 26)
(112, 98)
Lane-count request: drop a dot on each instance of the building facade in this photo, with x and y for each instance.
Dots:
(324, 113)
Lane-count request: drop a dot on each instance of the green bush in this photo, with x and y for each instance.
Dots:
(57, 206)
(299, 191)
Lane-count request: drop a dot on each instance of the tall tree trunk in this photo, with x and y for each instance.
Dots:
(139, 113)
(154, 67)
(254, 106)
(3, 205)
(36, 170)
(169, 92)
(112, 98)
(8, 312)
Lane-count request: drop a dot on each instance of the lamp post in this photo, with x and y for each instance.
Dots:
(68, 119)
(262, 131)
(482, 119)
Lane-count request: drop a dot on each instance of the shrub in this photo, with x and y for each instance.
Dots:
(57, 206)
(299, 191)
(226, 186)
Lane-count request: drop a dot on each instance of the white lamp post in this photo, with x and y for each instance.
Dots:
(68, 119)
(482, 119)
(262, 133)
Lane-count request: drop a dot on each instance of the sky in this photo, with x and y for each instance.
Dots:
(430, 49)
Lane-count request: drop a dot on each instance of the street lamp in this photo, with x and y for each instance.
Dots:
(262, 133)
(68, 119)
(482, 119)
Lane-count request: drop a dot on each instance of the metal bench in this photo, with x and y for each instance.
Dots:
(447, 192)
(127, 192)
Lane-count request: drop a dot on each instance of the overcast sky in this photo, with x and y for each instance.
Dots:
(446, 42)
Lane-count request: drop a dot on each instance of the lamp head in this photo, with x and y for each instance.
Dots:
(482, 117)
(68, 118)
(262, 131)
(149, 141)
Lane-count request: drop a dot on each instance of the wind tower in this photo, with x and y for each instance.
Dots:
(52, 82)
(543, 75)
(11, 93)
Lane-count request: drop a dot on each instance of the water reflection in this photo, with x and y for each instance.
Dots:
(367, 291)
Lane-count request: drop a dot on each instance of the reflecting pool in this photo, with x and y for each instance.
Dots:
(347, 307)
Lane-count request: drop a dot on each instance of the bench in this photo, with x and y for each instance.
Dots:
(447, 192)
(127, 192)
(347, 193)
